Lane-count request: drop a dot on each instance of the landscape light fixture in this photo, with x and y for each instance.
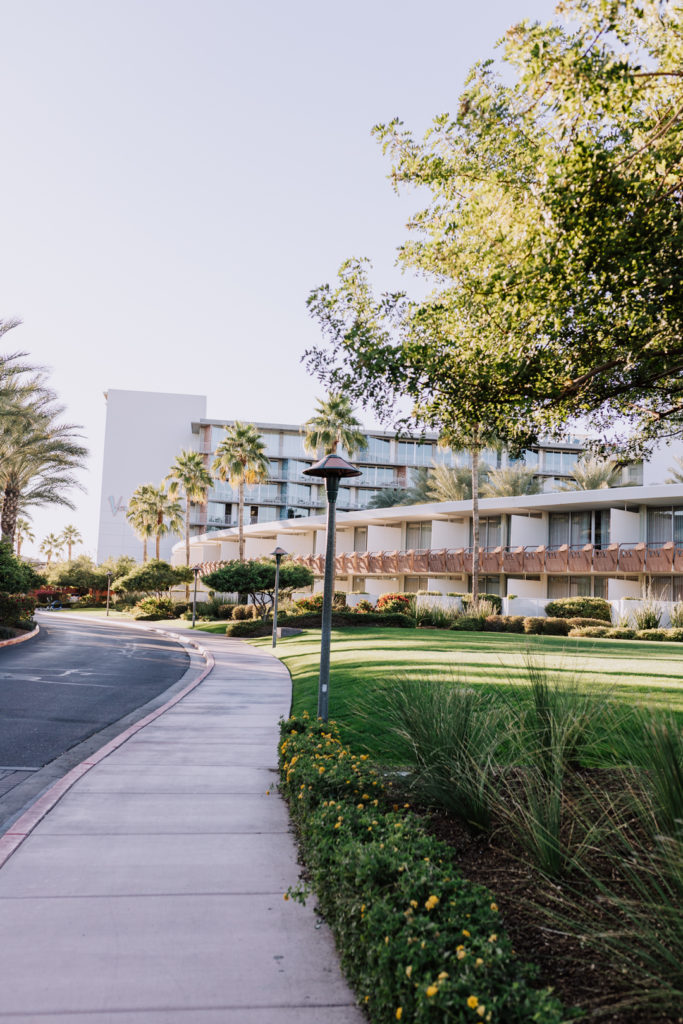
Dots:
(331, 469)
(278, 553)
(195, 570)
(109, 576)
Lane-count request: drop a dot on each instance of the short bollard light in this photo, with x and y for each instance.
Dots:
(109, 576)
(195, 570)
(278, 554)
(331, 469)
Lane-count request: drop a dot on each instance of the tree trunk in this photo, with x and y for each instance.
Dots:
(160, 523)
(19, 540)
(240, 514)
(70, 545)
(144, 550)
(475, 452)
(187, 543)
(10, 511)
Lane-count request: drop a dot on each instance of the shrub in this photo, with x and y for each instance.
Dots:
(249, 628)
(493, 599)
(468, 622)
(14, 608)
(621, 633)
(494, 624)
(580, 621)
(241, 611)
(652, 634)
(393, 896)
(584, 607)
(555, 627)
(312, 620)
(533, 624)
(224, 611)
(594, 631)
(676, 615)
(7, 633)
(676, 635)
(339, 599)
(649, 615)
(514, 623)
(395, 603)
(439, 618)
(314, 603)
(363, 607)
(151, 608)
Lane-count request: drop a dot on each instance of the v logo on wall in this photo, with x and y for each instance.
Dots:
(116, 506)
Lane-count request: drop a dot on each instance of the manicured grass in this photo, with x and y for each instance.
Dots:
(644, 673)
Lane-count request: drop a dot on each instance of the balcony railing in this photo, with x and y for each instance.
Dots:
(565, 558)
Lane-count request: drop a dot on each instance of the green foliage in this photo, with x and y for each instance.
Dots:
(649, 615)
(16, 609)
(154, 577)
(652, 634)
(363, 607)
(243, 611)
(676, 615)
(311, 603)
(340, 619)
(249, 627)
(17, 577)
(80, 573)
(469, 622)
(333, 425)
(411, 932)
(594, 631)
(395, 603)
(580, 621)
(620, 633)
(257, 578)
(533, 624)
(152, 608)
(580, 607)
(118, 567)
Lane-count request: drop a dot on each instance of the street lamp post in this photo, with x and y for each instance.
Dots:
(195, 570)
(331, 468)
(109, 576)
(278, 553)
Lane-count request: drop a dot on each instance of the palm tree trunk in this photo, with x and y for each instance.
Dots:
(69, 547)
(160, 521)
(10, 511)
(144, 550)
(19, 540)
(475, 451)
(240, 513)
(187, 542)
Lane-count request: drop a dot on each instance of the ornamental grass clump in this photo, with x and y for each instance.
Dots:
(417, 941)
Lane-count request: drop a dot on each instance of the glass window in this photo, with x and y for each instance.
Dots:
(411, 584)
(569, 586)
(298, 493)
(360, 538)
(378, 450)
(487, 584)
(418, 535)
(489, 532)
(659, 525)
(412, 453)
(272, 443)
(267, 513)
(358, 585)
(602, 521)
(558, 533)
(293, 445)
(600, 586)
(580, 533)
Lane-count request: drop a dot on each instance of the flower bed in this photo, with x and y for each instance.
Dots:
(418, 942)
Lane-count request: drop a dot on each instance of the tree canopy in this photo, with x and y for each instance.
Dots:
(16, 577)
(154, 577)
(257, 578)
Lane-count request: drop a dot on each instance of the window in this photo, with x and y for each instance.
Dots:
(489, 532)
(360, 538)
(218, 513)
(358, 585)
(378, 450)
(418, 536)
(579, 528)
(378, 476)
(559, 462)
(412, 453)
(411, 584)
(664, 525)
(666, 588)
(299, 493)
(569, 586)
(487, 584)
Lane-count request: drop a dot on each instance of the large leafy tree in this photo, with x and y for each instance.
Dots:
(241, 459)
(156, 577)
(16, 577)
(257, 578)
(153, 513)
(189, 476)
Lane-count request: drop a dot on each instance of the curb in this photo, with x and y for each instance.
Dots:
(24, 825)
(21, 639)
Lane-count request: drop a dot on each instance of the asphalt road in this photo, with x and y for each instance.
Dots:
(73, 680)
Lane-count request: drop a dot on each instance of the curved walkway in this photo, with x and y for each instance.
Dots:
(153, 891)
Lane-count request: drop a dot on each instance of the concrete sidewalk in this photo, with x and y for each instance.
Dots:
(153, 891)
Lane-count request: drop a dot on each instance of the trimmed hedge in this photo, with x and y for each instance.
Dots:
(584, 607)
(579, 621)
(312, 620)
(417, 941)
(594, 631)
(16, 609)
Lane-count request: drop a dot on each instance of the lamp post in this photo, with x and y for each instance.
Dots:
(195, 570)
(278, 553)
(331, 469)
(109, 576)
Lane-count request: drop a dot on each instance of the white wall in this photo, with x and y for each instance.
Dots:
(618, 589)
(446, 584)
(528, 588)
(144, 432)
(450, 535)
(343, 541)
(294, 543)
(624, 527)
(527, 532)
(257, 547)
(384, 538)
(378, 587)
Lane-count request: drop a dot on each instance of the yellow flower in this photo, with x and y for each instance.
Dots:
(493, 938)
(481, 1010)
(286, 896)
(494, 907)
(431, 902)
(399, 1012)
(478, 962)
(386, 940)
(321, 770)
(466, 933)
(360, 807)
(472, 1002)
(409, 970)
(443, 976)
(432, 990)
(413, 903)
(267, 792)
(337, 824)
(461, 953)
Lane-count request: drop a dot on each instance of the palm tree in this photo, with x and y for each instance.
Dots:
(52, 545)
(37, 458)
(454, 483)
(140, 517)
(510, 482)
(676, 471)
(189, 473)
(388, 498)
(159, 514)
(333, 424)
(71, 536)
(241, 459)
(22, 532)
(591, 474)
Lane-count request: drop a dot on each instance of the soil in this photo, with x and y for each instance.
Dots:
(579, 976)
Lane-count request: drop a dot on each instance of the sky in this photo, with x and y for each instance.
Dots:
(178, 175)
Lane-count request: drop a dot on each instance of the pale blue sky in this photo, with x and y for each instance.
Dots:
(177, 176)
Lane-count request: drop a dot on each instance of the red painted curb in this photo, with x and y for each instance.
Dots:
(23, 826)
(21, 639)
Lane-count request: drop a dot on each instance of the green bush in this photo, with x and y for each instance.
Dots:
(594, 631)
(152, 608)
(469, 623)
(249, 628)
(652, 634)
(363, 607)
(555, 627)
(224, 611)
(676, 635)
(418, 942)
(313, 603)
(514, 623)
(533, 624)
(312, 620)
(7, 633)
(621, 633)
(583, 607)
(395, 603)
(15, 608)
(241, 611)
(494, 624)
(580, 621)
(494, 599)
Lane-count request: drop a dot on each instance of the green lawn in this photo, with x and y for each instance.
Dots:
(639, 672)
